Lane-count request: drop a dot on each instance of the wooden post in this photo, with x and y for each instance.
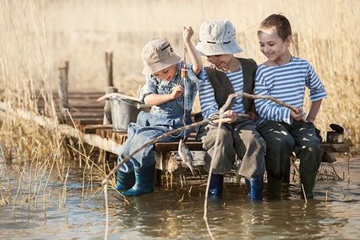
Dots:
(109, 67)
(63, 87)
(110, 87)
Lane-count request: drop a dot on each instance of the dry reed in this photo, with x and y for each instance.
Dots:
(36, 35)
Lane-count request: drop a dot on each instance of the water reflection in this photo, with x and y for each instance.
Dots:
(178, 213)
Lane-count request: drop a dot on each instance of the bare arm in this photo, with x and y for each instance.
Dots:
(158, 99)
(314, 109)
(195, 58)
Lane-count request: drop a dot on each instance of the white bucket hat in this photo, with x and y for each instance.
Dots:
(157, 55)
(217, 37)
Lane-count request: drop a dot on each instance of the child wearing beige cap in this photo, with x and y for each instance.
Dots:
(171, 97)
(238, 136)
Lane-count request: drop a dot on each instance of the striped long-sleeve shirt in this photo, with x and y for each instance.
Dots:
(208, 103)
(286, 83)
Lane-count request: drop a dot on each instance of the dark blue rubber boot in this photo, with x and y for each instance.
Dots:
(255, 188)
(216, 185)
(124, 180)
(144, 181)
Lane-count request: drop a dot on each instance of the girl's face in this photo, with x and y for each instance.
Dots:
(271, 45)
(166, 74)
(220, 61)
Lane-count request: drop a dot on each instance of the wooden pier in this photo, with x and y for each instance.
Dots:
(82, 116)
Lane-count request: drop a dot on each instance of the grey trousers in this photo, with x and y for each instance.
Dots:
(238, 139)
(281, 139)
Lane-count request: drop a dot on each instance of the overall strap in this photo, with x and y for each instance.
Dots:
(221, 85)
(249, 67)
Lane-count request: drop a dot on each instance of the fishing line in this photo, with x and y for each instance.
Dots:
(186, 89)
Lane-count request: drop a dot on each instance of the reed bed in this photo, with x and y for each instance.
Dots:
(37, 35)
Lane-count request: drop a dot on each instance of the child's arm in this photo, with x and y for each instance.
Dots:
(314, 109)
(158, 99)
(195, 58)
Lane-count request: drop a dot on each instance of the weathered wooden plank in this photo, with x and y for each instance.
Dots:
(335, 147)
(50, 124)
(197, 146)
(75, 94)
(173, 146)
(86, 115)
(83, 104)
(87, 121)
(117, 136)
(102, 132)
(91, 129)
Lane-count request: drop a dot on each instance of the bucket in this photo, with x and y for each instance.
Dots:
(334, 137)
(125, 110)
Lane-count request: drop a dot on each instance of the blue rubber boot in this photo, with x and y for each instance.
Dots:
(124, 180)
(255, 188)
(216, 185)
(144, 181)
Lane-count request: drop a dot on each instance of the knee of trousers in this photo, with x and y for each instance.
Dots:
(280, 147)
(225, 139)
(310, 160)
(280, 141)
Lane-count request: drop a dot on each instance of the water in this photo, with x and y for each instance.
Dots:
(175, 213)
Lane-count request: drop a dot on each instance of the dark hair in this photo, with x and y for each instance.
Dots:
(281, 24)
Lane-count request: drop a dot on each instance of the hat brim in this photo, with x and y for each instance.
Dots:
(210, 49)
(153, 68)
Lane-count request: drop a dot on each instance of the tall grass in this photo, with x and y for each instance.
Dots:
(36, 35)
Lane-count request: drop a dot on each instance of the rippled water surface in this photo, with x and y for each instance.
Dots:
(176, 213)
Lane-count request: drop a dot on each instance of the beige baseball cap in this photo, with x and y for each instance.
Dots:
(157, 55)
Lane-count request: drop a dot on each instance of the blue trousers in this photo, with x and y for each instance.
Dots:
(147, 128)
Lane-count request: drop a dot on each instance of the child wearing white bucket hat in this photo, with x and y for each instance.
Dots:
(238, 136)
(171, 97)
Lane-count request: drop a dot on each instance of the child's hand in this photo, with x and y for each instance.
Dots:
(188, 32)
(177, 91)
(230, 115)
(253, 116)
(297, 115)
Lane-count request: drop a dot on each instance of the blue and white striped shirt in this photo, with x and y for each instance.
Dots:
(208, 103)
(286, 83)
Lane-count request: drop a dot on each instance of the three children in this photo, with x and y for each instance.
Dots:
(277, 131)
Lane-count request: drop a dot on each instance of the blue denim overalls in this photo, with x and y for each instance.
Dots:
(159, 120)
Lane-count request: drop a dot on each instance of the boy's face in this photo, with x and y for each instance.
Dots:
(220, 61)
(271, 45)
(166, 74)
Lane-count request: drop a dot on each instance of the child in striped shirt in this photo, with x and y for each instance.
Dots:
(237, 136)
(285, 77)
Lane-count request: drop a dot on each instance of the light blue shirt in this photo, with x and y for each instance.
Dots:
(208, 102)
(175, 108)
